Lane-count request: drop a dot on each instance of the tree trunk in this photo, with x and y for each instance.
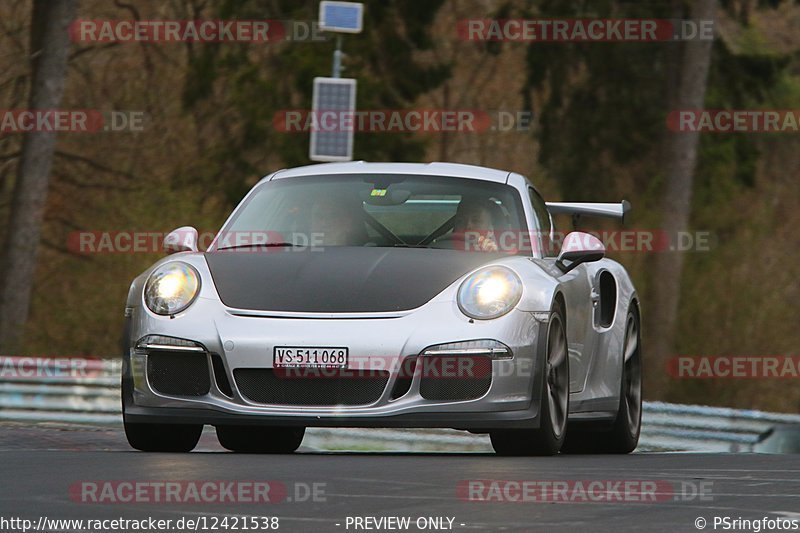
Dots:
(680, 164)
(50, 21)
(444, 152)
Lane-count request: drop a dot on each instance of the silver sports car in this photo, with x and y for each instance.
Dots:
(386, 295)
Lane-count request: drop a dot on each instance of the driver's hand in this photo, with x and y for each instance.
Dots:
(486, 244)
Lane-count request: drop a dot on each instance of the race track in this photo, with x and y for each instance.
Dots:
(48, 469)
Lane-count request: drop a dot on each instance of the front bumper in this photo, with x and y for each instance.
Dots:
(511, 401)
(475, 421)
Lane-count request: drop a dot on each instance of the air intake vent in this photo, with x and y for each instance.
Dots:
(317, 387)
(454, 377)
(179, 374)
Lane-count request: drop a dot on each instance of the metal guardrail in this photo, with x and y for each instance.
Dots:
(92, 396)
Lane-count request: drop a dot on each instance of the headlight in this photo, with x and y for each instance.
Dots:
(489, 293)
(171, 288)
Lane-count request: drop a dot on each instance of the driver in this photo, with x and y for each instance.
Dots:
(336, 220)
(474, 224)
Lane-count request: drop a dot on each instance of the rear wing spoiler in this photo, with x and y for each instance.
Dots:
(576, 209)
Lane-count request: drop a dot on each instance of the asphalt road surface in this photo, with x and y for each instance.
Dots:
(51, 472)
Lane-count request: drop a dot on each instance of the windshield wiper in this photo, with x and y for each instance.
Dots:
(261, 245)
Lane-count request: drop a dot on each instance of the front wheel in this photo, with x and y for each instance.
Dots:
(255, 439)
(554, 406)
(163, 437)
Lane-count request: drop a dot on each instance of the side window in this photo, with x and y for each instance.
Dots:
(543, 221)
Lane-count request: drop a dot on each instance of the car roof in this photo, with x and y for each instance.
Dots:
(421, 169)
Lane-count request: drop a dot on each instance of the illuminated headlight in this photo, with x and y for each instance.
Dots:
(171, 288)
(489, 293)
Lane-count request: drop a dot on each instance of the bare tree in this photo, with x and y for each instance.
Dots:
(49, 48)
(680, 164)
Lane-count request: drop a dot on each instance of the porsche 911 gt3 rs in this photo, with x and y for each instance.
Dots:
(386, 295)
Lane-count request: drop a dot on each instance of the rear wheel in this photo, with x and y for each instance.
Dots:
(549, 436)
(623, 436)
(163, 437)
(255, 439)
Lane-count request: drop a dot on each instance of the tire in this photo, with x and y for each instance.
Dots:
(255, 439)
(548, 438)
(163, 437)
(155, 437)
(623, 436)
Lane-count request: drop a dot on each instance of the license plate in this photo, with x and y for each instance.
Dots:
(309, 357)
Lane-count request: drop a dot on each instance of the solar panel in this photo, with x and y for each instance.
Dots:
(332, 110)
(345, 17)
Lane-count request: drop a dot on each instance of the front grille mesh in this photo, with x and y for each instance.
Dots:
(454, 377)
(180, 374)
(331, 387)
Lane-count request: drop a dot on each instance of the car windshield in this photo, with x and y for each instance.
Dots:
(380, 210)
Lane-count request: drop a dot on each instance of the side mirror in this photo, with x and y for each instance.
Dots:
(183, 239)
(579, 247)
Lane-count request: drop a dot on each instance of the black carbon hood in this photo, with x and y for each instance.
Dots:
(338, 279)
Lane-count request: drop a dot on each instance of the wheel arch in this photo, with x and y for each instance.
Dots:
(560, 300)
(634, 306)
